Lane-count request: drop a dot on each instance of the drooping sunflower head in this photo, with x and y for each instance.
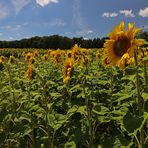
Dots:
(69, 54)
(29, 57)
(52, 54)
(98, 55)
(68, 69)
(35, 53)
(2, 58)
(83, 51)
(121, 42)
(11, 59)
(85, 60)
(105, 62)
(45, 57)
(49, 51)
(57, 56)
(76, 53)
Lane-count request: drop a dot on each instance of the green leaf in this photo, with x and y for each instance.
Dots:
(56, 95)
(130, 71)
(145, 58)
(132, 123)
(49, 105)
(71, 111)
(82, 110)
(122, 96)
(100, 110)
(145, 95)
(70, 144)
(56, 120)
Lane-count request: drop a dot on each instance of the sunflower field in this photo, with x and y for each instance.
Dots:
(76, 98)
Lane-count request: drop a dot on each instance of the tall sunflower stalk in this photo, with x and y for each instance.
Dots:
(89, 110)
(12, 89)
(118, 49)
(139, 98)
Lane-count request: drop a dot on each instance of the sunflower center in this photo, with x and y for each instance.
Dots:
(121, 46)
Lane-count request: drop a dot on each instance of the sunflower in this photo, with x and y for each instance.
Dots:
(85, 60)
(76, 53)
(98, 55)
(69, 54)
(121, 42)
(35, 53)
(106, 62)
(67, 71)
(29, 57)
(58, 56)
(2, 58)
(45, 57)
(11, 59)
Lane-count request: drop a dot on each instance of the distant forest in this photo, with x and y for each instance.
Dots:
(56, 41)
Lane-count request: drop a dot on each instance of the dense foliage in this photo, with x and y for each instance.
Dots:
(98, 107)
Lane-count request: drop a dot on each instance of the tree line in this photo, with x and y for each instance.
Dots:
(53, 42)
(56, 41)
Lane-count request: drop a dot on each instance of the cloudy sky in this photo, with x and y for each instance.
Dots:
(73, 18)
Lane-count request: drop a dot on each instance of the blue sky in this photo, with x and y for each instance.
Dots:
(73, 18)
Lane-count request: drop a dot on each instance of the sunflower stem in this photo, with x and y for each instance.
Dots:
(12, 89)
(146, 81)
(89, 116)
(139, 99)
(145, 71)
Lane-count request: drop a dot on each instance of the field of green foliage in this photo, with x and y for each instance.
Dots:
(76, 98)
(98, 107)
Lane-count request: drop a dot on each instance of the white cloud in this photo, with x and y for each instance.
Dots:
(86, 38)
(144, 12)
(68, 33)
(107, 14)
(89, 31)
(46, 2)
(57, 23)
(20, 4)
(127, 13)
(84, 32)
(3, 12)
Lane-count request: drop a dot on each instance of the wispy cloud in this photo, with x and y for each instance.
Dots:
(78, 20)
(144, 12)
(4, 12)
(127, 13)
(57, 23)
(13, 28)
(68, 33)
(46, 2)
(84, 32)
(20, 4)
(107, 14)
(89, 31)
